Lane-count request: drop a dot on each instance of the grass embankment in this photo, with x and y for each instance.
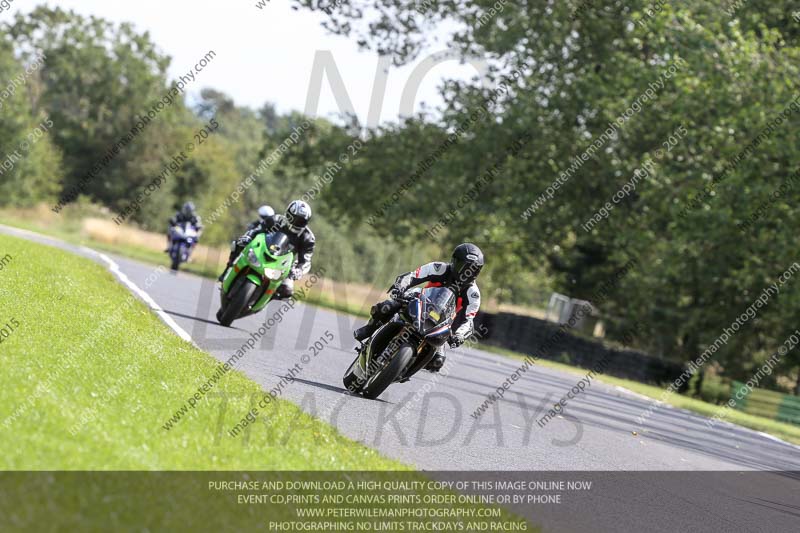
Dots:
(348, 298)
(91, 375)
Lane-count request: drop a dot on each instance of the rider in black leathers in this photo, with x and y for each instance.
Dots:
(460, 275)
(186, 214)
(295, 225)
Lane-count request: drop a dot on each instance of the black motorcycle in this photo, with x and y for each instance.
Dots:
(405, 344)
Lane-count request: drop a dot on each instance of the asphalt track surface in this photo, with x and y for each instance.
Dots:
(427, 422)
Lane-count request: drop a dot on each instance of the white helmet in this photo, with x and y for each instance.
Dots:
(265, 212)
(297, 216)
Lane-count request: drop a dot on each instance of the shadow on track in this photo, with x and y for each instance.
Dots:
(198, 319)
(333, 388)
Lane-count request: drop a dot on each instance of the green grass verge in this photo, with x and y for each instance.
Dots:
(91, 375)
(781, 430)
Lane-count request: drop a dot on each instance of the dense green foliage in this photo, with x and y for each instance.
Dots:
(583, 65)
(694, 91)
(26, 175)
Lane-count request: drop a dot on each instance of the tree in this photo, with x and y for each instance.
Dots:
(99, 80)
(720, 78)
(31, 167)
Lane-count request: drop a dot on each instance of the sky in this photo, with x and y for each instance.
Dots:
(267, 55)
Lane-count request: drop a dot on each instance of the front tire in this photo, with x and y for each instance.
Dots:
(375, 386)
(350, 380)
(237, 303)
(175, 255)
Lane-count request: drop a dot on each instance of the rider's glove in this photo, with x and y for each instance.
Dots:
(455, 341)
(243, 240)
(296, 273)
(395, 292)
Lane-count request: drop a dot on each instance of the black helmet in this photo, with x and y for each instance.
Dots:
(297, 215)
(467, 263)
(188, 209)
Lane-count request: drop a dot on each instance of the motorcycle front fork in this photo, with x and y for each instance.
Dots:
(425, 353)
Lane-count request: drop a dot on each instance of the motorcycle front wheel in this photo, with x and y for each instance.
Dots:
(350, 380)
(175, 255)
(378, 383)
(237, 302)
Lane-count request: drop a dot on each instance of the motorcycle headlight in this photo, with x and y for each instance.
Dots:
(273, 273)
(252, 258)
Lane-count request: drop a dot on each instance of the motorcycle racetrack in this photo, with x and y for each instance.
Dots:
(300, 352)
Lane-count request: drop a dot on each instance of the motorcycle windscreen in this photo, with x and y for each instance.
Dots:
(183, 231)
(277, 244)
(439, 311)
(189, 231)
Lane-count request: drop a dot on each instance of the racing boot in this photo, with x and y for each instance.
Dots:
(365, 332)
(379, 313)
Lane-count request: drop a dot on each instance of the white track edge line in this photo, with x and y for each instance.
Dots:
(168, 320)
(114, 268)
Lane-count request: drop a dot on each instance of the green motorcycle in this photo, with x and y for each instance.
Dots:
(252, 280)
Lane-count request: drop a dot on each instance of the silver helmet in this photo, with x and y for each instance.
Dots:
(297, 216)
